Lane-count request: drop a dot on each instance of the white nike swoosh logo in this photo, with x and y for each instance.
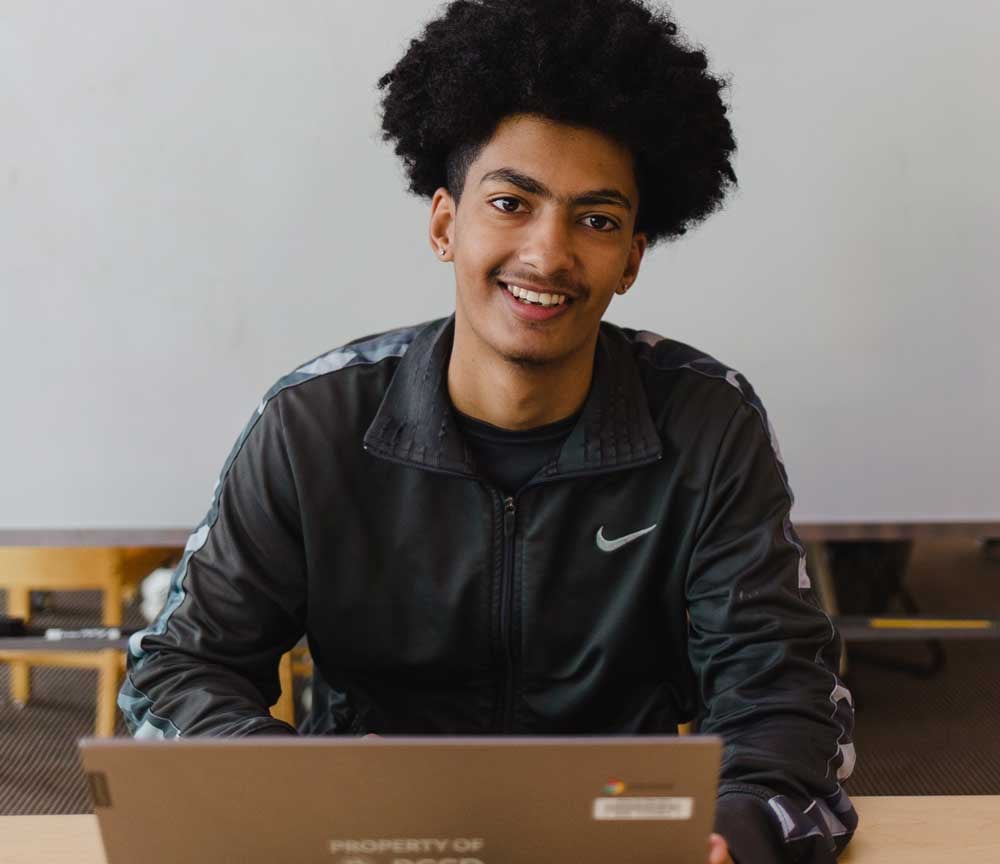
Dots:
(606, 545)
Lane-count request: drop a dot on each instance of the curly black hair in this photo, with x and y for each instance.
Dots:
(615, 66)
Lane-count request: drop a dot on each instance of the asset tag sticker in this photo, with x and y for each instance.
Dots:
(643, 808)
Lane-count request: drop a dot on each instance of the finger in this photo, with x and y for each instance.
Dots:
(718, 850)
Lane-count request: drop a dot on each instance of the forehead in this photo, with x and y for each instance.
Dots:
(565, 158)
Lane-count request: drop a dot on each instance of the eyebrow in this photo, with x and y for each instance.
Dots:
(536, 187)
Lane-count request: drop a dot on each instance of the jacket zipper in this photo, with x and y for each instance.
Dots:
(506, 604)
(506, 718)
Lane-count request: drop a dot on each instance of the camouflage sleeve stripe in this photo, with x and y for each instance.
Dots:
(833, 817)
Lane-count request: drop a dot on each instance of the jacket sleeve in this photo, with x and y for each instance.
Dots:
(765, 654)
(208, 664)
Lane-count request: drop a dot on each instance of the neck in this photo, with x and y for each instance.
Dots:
(501, 392)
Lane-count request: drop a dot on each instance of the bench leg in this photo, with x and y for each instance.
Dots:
(19, 606)
(111, 612)
(284, 708)
(108, 681)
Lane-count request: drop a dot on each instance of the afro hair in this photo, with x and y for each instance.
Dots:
(614, 66)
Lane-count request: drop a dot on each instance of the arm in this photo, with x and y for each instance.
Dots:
(208, 664)
(765, 656)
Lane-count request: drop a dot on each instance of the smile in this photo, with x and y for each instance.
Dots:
(534, 306)
(533, 297)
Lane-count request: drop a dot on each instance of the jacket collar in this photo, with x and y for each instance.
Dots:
(415, 423)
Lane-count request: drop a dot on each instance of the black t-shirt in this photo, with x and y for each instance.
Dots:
(511, 457)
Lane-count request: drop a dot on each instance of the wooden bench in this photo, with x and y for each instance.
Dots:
(115, 572)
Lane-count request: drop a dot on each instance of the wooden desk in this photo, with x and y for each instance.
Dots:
(918, 830)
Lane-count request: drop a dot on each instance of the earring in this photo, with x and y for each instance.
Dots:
(442, 251)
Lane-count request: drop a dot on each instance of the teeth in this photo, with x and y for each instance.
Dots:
(535, 297)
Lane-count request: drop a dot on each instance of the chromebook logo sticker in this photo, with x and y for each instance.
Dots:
(614, 787)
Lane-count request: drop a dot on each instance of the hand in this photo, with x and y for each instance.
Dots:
(718, 850)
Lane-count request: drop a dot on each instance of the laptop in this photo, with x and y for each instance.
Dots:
(426, 800)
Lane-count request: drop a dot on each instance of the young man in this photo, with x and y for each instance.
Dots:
(521, 519)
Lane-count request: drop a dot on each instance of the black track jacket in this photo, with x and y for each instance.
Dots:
(647, 576)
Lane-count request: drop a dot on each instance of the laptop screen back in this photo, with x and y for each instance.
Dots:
(405, 800)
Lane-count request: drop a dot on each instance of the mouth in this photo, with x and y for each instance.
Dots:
(531, 297)
(533, 306)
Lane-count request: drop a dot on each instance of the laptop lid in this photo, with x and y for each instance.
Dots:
(471, 800)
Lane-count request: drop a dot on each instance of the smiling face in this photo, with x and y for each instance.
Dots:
(547, 213)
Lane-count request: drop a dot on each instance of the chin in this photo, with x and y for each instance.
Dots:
(527, 360)
(521, 344)
(530, 356)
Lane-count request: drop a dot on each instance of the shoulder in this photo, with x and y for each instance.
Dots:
(680, 379)
(667, 362)
(364, 351)
(324, 399)
(334, 367)
(340, 387)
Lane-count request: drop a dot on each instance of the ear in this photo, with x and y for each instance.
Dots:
(442, 224)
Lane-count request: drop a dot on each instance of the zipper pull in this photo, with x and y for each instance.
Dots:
(508, 517)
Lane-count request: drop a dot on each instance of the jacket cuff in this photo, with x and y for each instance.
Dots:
(743, 820)
(272, 727)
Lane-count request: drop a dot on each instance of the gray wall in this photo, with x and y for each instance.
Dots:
(194, 199)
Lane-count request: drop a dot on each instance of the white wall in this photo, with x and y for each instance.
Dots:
(194, 199)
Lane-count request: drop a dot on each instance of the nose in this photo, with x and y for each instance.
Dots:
(548, 245)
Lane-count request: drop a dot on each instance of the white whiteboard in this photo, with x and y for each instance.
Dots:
(194, 199)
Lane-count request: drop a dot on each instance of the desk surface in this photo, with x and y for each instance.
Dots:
(915, 830)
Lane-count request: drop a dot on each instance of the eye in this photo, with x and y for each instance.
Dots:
(503, 202)
(605, 224)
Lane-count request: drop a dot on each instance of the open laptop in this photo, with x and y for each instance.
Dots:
(432, 800)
